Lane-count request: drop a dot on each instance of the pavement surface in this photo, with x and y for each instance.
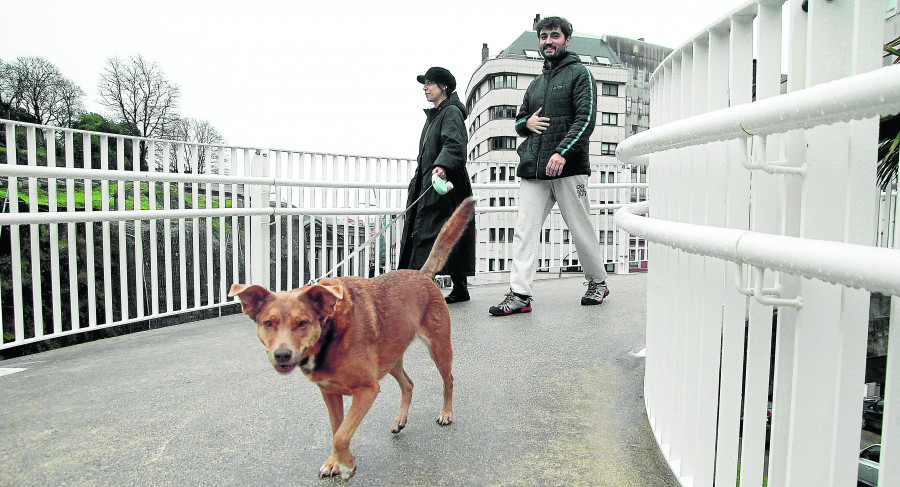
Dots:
(554, 397)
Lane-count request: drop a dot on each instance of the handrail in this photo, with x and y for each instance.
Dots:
(856, 97)
(26, 171)
(875, 269)
(137, 138)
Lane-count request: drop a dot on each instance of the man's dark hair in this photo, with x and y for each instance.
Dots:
(551, 23)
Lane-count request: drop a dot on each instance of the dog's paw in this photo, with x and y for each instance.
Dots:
(445, 418)
(398, 425)
(329, 468)
(347, 472)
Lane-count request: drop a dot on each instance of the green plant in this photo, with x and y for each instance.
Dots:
(889, 133)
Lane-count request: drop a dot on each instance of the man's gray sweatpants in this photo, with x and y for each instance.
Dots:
(535, 199)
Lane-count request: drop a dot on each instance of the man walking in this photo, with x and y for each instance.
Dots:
(556, 118)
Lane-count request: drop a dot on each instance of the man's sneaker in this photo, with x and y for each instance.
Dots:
(596, 291)
(512, 303)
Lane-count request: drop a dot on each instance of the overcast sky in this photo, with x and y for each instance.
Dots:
(335, 76)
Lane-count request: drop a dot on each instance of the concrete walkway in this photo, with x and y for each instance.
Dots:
(553, 397)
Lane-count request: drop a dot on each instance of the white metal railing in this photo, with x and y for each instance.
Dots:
(783, 185)
(105, 230)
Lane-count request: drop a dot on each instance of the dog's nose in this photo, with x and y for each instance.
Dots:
(282, 354)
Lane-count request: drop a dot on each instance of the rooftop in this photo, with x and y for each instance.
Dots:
(582, 44)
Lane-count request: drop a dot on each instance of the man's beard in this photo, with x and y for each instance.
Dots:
(557, 54)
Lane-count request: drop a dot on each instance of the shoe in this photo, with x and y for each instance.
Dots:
(450, 298)
(512, 303)
(595, 293)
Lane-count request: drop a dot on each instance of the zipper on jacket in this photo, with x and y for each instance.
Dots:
(537, 162)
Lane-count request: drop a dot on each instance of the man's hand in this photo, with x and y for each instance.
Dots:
(440, 172)
(536, 123)
(555, 166)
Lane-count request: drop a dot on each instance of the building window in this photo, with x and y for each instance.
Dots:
(565, 236)
(492, 235)
(608, 148)
(603, 60)
(476, 123)
(501, 235)
(510, 233)
(585, 59)
(532, 54)
(502, 112)
(512, 201)
(504, 81)
(610, 89)
(502, 143)
(503, 168)
(492, 202)
(610, 118)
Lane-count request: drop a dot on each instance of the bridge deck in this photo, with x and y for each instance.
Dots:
(548, 398)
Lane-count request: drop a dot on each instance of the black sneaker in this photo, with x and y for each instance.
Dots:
(512, 303)
(595, 293)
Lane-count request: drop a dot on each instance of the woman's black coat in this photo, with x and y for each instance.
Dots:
(443, 143)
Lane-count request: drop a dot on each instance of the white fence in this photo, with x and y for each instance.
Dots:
(760, 206)
(89, 239)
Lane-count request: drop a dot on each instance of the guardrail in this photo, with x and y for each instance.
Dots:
(783, 185)
(100, 230)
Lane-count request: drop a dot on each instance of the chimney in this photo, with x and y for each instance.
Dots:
(484, 52)
(537, 18)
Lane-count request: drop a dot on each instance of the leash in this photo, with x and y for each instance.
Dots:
(439, 185)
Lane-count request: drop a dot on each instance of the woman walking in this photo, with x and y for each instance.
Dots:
(442, 151)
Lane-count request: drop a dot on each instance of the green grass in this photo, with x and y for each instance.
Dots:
(44, 198)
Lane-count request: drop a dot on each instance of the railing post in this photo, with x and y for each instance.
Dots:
(789, 201)
(763, 218)
(259, 256)
(831, 331)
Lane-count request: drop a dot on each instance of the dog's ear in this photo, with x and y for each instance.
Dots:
(252, 297)
(324, 298)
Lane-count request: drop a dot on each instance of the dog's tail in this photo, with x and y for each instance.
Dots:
(450, 233)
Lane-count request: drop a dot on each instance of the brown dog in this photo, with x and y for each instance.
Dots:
(346, 333)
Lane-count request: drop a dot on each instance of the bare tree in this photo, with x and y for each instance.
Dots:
(138, 92)
(197, 136)
(69, 103)
(9, 89)
(36, 85)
